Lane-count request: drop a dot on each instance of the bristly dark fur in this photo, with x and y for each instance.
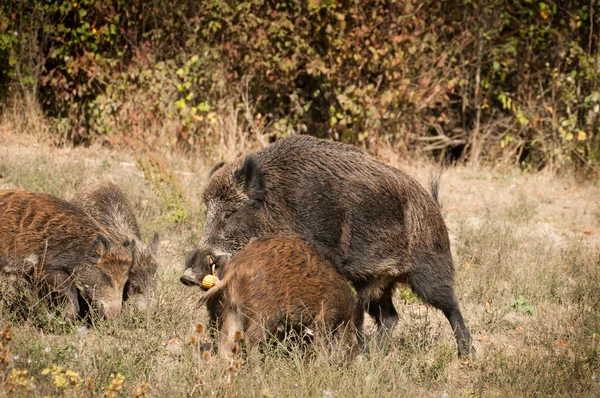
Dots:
(376, 224)
(252, 178)
(108, 205)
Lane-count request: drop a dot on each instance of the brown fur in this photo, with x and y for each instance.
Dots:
(275, 284)
(108, 205)
(44, 237)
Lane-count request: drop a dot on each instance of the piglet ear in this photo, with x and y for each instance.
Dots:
(99, 247)
(252, 178)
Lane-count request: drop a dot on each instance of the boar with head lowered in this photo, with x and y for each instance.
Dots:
(374, 223)
(200, 263)
(44, 238)
(278, 284)
(107, 204)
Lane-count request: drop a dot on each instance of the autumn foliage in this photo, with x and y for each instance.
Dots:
(476, 80)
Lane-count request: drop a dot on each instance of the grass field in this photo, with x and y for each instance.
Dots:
(527, 255)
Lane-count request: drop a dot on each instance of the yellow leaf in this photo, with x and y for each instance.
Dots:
(70, 373)
(314, 4)
(581, 136)
(61, 381)
(544, 14)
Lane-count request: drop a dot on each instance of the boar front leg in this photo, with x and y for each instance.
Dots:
(252, 339)
(62, 283)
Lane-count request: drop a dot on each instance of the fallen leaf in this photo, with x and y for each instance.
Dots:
(561, 342)
(488, 306)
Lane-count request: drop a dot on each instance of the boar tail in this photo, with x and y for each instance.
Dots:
(434, 183)
(215, 290)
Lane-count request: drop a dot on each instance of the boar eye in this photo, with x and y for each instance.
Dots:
(227, 214)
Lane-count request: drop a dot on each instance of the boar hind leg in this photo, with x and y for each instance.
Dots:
(252, 339)
(358, 318)
(383, 312)
(231, 325)
(436, 290)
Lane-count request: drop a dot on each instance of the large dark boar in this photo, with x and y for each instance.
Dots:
(276, 284)
(108, 205)
(45, 238)
(377, 225)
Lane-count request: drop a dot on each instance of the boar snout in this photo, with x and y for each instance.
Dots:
(190, 278)
(142, 302)
(110, 310)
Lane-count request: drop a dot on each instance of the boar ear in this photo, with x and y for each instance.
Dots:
(154, 244)
(99, 247)
(252, 177)
(215, 168)
(191, 258)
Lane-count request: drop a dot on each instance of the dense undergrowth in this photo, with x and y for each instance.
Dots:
(475, 80)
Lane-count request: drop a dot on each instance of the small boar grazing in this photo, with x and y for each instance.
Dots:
(107, 204)
(374, 223)
(48, 239)
(276, 284)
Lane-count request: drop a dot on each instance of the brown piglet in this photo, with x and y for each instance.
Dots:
(275, 285)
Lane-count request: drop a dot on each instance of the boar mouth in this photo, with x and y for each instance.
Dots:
(188, 282)
(189, 278)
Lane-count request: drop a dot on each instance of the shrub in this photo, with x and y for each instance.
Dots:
(469, 79)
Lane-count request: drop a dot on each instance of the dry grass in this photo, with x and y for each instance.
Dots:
(528, 275)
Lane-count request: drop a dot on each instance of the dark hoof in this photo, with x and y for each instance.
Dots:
(467, 354)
